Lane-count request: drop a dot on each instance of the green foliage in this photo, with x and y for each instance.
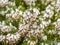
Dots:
(2, 18)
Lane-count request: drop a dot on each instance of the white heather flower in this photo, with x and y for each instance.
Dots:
(46, 15)
(44, 37)
(17, 35)
(27, 14)
(14, 15)
(34, 25)
(46, 23)
(18, 11)
(23, 27)
(37, 33)
(6, 29)
(48, 12)
(13, 37)
(37, 30)
(36, 11)
(58, 24)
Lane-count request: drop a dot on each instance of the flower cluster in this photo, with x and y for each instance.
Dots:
(6, 2)
(49, 12)
(30, 22)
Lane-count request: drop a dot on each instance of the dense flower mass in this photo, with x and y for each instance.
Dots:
(30, 22)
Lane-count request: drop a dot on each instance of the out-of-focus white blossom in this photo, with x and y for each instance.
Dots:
(11, 3)
(58, 43)
(2, 37)
(3, 3)
(58, 32)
